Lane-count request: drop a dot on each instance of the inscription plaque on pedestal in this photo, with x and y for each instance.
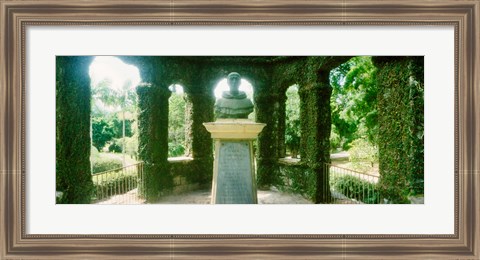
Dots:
(234, 183)
(234, 165)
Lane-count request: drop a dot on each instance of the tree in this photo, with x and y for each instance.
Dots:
(106, 98)
(292, 122)
(176, 125)
(354, 100)
(102, 132)
(106, 101)
(117, 124)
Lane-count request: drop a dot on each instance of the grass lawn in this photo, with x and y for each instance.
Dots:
(128, 159)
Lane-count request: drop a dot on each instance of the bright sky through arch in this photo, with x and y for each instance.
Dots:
(115, 70)
(176, 89)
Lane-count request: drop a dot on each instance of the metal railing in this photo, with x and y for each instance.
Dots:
(125, 181)
(352, 187)
(124, 185)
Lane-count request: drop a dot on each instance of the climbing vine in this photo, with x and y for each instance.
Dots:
(400, 106)
(73, 177)
(401, 127)
(153, 140)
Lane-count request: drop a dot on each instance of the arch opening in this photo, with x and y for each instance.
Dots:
(113, 119)
(292, 122)
(177, 121)
(354, 113)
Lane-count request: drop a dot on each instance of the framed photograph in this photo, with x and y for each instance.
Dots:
(251, 67)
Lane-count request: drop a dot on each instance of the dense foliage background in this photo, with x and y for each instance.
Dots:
(395, 135)
(176, 123)
(354, 102)
(354, 113)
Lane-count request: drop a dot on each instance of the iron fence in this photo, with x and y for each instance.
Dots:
(352, 187)
(125, 181)
(125, 185)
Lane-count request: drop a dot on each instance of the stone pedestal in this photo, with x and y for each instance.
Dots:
(234, 164)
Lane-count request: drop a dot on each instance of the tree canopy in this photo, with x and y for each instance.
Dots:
(109, 106)
(292, 120)
(354, 101)
(176, 123)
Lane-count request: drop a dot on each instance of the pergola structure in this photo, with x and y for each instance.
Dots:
(270, 77)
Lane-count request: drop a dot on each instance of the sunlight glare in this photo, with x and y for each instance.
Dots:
(223, 86)
(113, 69)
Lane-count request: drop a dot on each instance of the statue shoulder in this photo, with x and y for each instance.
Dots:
(234, 103)
(245, 103)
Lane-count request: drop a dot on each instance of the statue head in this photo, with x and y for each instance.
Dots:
(233, 80)
(234, 103)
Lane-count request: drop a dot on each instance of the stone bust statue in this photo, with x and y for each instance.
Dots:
(234, 103)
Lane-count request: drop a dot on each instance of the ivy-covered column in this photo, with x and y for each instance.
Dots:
(281, 119)
(153, 139)
(200, 109)
(400, 120)
(315, 133)
(73, 176)
(267, 140)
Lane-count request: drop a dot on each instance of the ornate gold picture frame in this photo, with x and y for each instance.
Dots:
(17, 16)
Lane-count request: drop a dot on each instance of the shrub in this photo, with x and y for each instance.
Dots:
(131, 146)
(94, 153)
(335, 139)
(105, 163)
(175, 150)
(102, 131)
(363, 155)
(115, 146)
(356, 188)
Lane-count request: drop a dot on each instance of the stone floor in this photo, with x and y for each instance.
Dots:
(272, 196)
(204, 196)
